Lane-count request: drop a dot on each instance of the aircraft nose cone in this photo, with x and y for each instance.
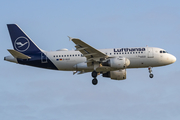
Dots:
(173, 59)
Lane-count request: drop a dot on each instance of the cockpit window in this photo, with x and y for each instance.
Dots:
(163, 51)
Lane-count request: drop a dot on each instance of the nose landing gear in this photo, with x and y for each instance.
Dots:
(150, 71)
(94, 75)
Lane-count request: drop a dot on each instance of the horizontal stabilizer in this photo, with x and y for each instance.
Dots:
(17, 54)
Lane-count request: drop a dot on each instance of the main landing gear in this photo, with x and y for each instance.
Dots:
(94, 75)
(150, 71)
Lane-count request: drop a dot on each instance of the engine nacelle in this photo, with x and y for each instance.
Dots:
(118, 63)
(116, 75)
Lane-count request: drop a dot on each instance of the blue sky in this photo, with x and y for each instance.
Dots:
(38, 94)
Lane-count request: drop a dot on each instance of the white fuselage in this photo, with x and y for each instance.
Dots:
(150, 57)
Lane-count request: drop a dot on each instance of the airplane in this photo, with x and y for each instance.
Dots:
(111, 63)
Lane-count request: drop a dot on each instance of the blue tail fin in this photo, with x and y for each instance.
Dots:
(21, 42)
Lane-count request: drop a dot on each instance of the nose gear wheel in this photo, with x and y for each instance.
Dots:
(150, 71)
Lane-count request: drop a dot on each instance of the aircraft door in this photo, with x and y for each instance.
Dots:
(43, 57)
(150, 53)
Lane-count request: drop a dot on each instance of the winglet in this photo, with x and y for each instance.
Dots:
(70, 38)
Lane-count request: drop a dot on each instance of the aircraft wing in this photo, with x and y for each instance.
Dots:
(88, 51)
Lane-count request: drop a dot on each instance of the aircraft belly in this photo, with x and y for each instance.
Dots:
(143, 62)
(67, 64)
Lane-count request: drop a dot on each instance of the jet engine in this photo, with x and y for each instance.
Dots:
(118, 63)
(116, 75)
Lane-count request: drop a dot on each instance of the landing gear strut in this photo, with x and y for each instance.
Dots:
(150, 71)
(94, 75)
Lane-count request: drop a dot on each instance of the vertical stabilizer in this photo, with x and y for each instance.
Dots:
(20, 41)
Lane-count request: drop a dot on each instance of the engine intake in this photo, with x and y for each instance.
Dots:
(118, 63)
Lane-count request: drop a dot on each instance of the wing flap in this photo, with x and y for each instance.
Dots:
(17, 54)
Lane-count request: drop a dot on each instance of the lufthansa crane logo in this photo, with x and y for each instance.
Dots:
(21, 44)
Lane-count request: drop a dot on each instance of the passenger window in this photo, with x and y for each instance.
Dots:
(59, 55)
(110, 53)
(160, 51)
(73, 55)
(56, 55)
(62, 55)
(67, 55)
(70, 55)
(164, 51)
